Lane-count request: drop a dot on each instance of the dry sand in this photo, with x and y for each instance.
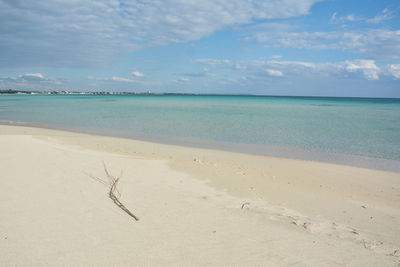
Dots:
(196, 207)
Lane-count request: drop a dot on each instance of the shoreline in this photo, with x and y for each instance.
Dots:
(196, 206)
(383, 164)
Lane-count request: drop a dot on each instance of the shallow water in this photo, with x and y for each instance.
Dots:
(353, 126)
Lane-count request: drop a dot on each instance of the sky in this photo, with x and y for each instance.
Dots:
(263, 47)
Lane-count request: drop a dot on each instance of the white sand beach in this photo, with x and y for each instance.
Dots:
(196, 207)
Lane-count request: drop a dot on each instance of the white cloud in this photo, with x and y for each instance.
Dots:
(183, 79)
(112, 79)
(204, 73)
(67, 33)
(374, 42)
(367, 67)
(116, 82)
(386, 14)
(292, 63)
(394, 70)
(34, 75)
(137, 74)
(254, 64)
(377, 43)
(344, 19)
(29, 81)
(211, 62)
(276, 73)
(362, 68)
(119, 79)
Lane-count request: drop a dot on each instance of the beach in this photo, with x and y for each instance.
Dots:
(200, 133)
(196, 207)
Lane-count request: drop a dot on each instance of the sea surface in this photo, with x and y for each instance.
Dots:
(366, 127)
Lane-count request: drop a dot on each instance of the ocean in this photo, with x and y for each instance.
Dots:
(283, 126)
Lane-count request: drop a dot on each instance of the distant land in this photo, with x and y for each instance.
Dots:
(64, 92)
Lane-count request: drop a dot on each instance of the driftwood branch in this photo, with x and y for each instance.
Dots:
(113, 182)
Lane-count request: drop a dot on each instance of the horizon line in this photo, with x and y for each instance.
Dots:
(67, 92)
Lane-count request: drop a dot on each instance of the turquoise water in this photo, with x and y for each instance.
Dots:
(355, 126)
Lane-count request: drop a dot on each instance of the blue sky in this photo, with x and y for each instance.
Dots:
(269, 47)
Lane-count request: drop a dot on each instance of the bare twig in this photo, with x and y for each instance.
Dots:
(113, 182)
(97, 179)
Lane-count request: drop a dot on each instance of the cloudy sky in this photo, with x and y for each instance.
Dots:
(268, 47)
